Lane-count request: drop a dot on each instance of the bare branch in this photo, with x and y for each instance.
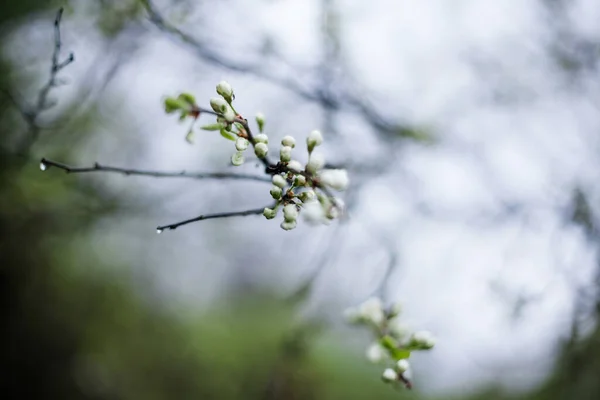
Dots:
(256, 211)
(31, 114)
(46, 163)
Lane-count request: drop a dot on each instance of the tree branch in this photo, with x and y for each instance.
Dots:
(256, 211)
(31, 114)
(46, 163)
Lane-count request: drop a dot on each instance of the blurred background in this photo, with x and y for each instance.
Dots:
(470, 131)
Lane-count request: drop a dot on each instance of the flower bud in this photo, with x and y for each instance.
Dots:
(261, 150)
(285, 154)
(394, 310)
(270, 213)
(288, 225)
(260, 121)
(397, 329)
(219, 105)
(187, 98)
(402, 366)
(335, 178)
(172, 105)
(229, 114)
(290, 212)
(294, 166)
(276, 192)
(241, 144)
(375, 353)
(261, 138)
(313, 213)
(423, 339)
(389, 375)
(309, 195)
(237, 158)
(314, 139)
(288, 141)
(279, 181)
(371, 310)
(225, 90)
(299, 180)
(315, 163)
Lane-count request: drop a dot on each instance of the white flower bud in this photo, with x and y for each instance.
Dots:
(315, 163)
(335, 178)
(290, 212)
(389, 375)
(423, 339)
(241, 144)
(270, 213)
(229, 114)
(285, 154)
(314, 139)
(276, 192)
(237, 158)
(397, 329)
(402, 366)
(288, 141)
(332, 212)
(309, 195)
(294, 166)
(261, 138)
(261, 150)
(219, 105)
(279, 181)
(299, 180)
(375, 353)
(371, 310)
(225, 90)
(313, 213)
(288, 225)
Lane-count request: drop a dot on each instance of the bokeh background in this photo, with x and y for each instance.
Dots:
(470, 130)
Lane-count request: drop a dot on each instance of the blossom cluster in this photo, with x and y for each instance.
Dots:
(394, 342)
(298, 188)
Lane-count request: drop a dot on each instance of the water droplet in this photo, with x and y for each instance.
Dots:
(159, 231)
(43, 166)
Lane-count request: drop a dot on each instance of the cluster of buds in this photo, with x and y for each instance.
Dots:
(297, 188)
(303, 189)
(394, 343)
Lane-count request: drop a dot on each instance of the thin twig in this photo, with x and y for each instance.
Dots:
(46, 163)
(176, 225)
(30, 115)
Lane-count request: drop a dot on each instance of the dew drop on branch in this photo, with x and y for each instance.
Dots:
(43, 166)
(159, 231)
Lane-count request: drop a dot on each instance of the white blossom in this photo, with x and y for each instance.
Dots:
(290, 212)
(315, 163)
(375, 353)
(335, 178)
(389, 375)
(288, 225)
(299, 180)
(314, 139)
(237, 158)
(224, 89)
(261, 138)
(241, 144)
(396, 328)
(279, 181)
(288, 141)
(270, 213)
(424, 339)
(285, 153)
(261, 150)
(313, 213)
(307, 196)
(402, 366)
(372, 310)
(294, 166)
(276, 192)
(219, 105)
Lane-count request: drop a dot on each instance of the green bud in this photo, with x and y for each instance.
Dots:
(172, 105)
(260, 121)
(187, 98)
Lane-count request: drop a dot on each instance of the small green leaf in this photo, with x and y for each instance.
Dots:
(213, 127)
(391, 346)
(189, 137)
(228, 135)
(187, 98)
(172, 105)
